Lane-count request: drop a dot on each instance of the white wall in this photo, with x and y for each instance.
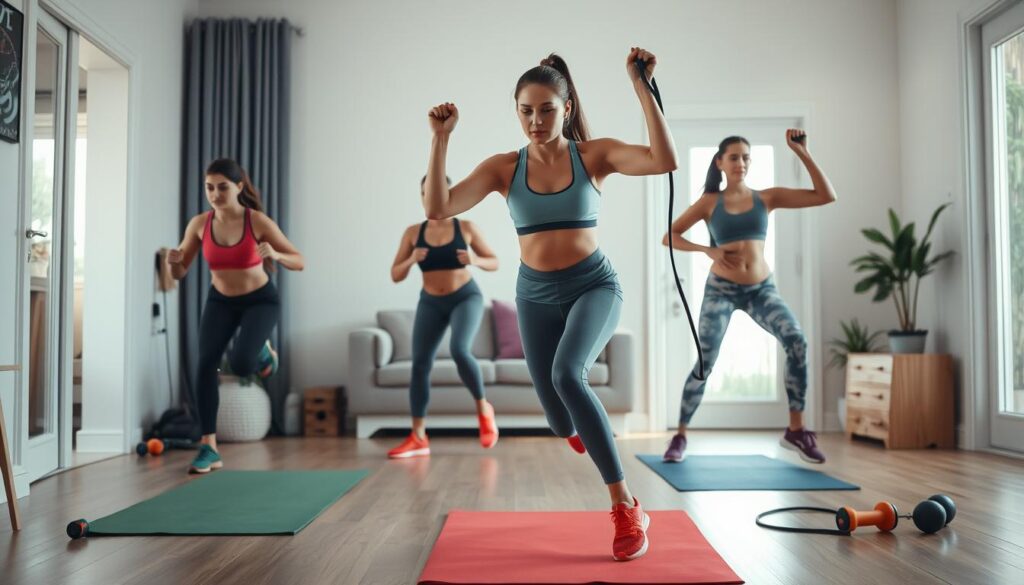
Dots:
(932, 163)
(104, 293)
(151, 35)
(366, 73)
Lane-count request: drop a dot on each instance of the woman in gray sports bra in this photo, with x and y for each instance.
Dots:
(567, 294)
(740, 279)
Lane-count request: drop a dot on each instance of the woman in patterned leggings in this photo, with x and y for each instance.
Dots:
(737, 219)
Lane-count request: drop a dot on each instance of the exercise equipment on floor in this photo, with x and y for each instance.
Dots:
(740, 472)
(568, 548)
(652, 86)
(929, 516)
(229, 502)
(156, 446)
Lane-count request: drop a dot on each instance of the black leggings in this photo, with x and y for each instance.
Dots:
(254, 316)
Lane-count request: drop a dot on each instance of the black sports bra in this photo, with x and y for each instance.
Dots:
(441, 257)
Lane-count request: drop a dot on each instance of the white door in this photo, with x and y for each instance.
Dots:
(1003, 49)
(43, 223)
(746, 387)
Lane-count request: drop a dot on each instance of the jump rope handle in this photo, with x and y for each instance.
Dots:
(652, 85)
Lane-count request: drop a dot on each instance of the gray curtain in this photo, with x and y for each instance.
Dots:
(237, 102)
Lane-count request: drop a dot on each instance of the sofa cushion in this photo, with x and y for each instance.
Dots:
(516, 372)
(506, 331)
(399, 323)
(399, 373)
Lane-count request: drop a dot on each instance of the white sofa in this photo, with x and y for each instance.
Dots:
(380, 366)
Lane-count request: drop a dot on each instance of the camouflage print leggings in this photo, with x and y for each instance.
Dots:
(763, 303)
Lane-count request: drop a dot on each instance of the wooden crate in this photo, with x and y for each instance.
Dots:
(324, 411)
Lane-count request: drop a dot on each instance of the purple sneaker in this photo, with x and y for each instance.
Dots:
(676, 449)
(804, 442)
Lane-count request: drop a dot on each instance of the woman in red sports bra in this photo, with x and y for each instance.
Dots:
(240, 243)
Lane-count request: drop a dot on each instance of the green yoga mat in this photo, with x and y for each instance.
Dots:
(234, 503)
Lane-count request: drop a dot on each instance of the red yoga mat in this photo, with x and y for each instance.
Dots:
(512, 548)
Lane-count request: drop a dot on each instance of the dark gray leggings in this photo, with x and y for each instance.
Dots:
(463, 310)
(561, 341)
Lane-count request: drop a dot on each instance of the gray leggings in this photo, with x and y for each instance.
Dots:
(566, 317)
(762, 302)
(463, 309)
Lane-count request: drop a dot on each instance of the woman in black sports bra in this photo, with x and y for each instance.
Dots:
(444, 249)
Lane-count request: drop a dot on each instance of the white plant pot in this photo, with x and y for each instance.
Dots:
(244, 413)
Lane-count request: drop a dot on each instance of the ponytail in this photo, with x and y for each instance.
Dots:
(554, 73)
(713, 181)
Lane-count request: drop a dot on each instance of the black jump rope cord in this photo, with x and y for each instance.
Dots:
(831, 531)
(652, 85)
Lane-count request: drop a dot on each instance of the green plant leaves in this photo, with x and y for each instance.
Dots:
(894, 275)
(856, 339)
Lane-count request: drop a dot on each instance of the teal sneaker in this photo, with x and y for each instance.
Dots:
(268, 361)
(206, 459)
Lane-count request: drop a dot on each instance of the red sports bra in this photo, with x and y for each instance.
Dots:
(239, 256)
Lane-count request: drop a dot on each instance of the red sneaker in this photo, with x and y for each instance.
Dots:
(412, 446)
(577, 444)
(630, 531)
(488, 428)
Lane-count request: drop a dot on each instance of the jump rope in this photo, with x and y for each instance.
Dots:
(652, 85)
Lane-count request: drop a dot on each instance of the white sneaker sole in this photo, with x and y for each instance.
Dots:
(671, 460)
(643, 549)
(787, 445)
(413, 453)
(215, 465)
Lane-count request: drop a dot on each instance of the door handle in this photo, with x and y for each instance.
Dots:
(35, 234)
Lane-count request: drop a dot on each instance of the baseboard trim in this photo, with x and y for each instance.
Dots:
(97, 441)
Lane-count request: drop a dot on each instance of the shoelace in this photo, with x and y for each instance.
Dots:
(810, 438)
(624, 523)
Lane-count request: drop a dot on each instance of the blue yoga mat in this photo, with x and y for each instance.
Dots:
(740, 472)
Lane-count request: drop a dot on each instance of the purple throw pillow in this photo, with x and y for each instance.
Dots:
(506, 330)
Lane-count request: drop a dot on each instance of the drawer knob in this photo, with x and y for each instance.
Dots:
(880, 396)
(855, 393)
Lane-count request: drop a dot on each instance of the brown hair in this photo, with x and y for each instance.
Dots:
(554, 73)
(250, 195)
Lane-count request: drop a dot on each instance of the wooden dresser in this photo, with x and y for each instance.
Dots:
(906, 400)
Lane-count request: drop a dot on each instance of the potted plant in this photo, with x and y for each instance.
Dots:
(856, 339)
(897, 273)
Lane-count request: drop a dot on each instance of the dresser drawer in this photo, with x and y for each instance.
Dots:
(870, 395)
(866, 367)
(867, 422)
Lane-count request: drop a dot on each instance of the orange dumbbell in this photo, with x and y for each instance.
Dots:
(885, 517)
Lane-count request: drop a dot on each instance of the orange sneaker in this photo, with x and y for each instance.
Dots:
(412, 446)
(488, 428)
(577, 444)
(630, 531)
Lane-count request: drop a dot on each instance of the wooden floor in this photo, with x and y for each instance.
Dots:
(382, 531)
